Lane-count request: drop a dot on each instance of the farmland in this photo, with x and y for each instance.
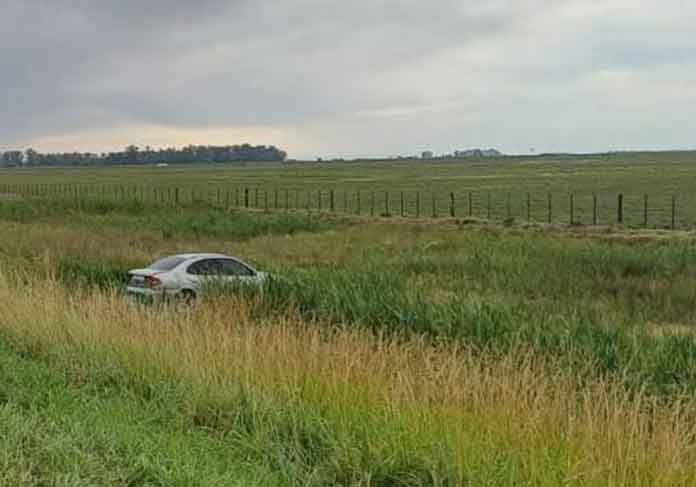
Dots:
(638, 173)
(655, 187)
(393, 351)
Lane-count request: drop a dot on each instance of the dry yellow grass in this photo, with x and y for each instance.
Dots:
(463, 414)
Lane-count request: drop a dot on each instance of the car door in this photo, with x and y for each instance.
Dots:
(203, 273)
(235, 272)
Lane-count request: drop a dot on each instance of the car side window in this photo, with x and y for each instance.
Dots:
(231, 267)
(206, 267)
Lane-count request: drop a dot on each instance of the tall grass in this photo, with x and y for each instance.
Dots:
(192, 221)
(650, 280)
(59, 433)
(380, 301)
(323, 406)
(613, 303)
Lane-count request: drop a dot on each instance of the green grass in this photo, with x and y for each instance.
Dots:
(59, 433)
(198, 221)
(146, 398)
(594, 307)
(103, 426)
(508, 180)
(636, 172)
(98, 424)
(381, 300)
(588, 299)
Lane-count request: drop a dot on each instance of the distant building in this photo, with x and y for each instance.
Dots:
(427, 154)
(477, 153)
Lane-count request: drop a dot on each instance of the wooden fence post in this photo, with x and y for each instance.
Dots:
(332, 202)
(386, 203)
(488, 207)
(434, 206)
(265, 200)
(471, 205)
(345, 201)
(550, 208)
(402, 210)
(452, 209)
(645, 211)
(508, 208)
(529, 207)
(595, 216)
(572, 208)
(358, 203)
(620, 210)
(287, 200)
(246, 197)
(372, 204)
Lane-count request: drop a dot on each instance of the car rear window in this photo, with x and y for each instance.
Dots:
(167, 264)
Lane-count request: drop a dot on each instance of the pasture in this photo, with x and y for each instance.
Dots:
(390, 351)
(655, 188)
(631, 173)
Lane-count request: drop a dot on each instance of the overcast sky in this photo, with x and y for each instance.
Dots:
(349, 77)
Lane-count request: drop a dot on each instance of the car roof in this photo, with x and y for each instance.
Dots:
(199, 256)
(204, 256)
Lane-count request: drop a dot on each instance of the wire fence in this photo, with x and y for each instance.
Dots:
(575, 208)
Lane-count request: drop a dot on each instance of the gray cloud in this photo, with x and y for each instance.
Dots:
(365, 77)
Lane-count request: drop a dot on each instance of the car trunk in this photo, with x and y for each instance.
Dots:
(138, 277)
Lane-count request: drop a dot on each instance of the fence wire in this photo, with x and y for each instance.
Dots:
(575, 208)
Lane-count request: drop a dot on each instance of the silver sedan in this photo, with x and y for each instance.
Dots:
(186, 276)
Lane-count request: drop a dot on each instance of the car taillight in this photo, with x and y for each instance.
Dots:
(153, 281)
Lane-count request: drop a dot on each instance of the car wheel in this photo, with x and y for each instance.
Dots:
(187, 296)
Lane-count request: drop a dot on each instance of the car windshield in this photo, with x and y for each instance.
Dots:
(167, 264)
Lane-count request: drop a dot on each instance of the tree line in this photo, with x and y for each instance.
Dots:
(133, 155)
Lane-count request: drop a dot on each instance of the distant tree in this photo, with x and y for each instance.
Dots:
(12, 158)
(32, 158)
(131, 154)
(134, 155)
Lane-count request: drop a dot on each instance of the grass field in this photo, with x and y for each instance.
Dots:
(668, 172)
(390, 352)
(494, 189)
